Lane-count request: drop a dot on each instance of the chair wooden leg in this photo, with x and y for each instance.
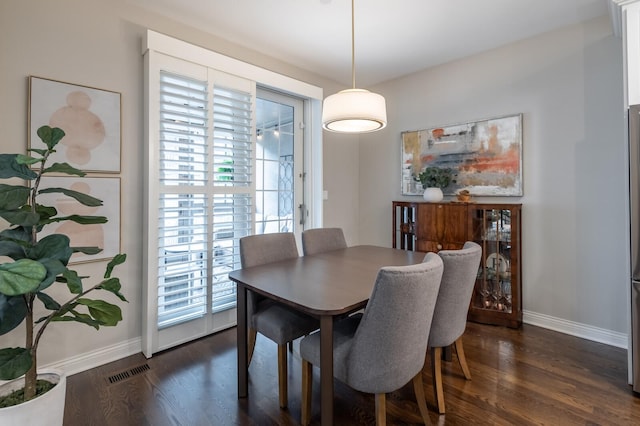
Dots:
(282, 375)
(307, 379)
(251, 343)
(462, 359)
(436, 373)
(422, 402)
(381, 410)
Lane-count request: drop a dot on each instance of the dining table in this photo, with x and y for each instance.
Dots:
(327, 286)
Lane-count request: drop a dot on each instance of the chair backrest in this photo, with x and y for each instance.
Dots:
(266, 248)
(390, 344)
(452, 307)
(261, 249)
(319, 240)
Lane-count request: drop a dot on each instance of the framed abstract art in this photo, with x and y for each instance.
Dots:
(485, 155)
(90, 118)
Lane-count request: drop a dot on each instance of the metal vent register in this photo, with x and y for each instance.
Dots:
(127, 374)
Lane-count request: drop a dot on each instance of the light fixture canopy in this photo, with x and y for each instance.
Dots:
(354, 110)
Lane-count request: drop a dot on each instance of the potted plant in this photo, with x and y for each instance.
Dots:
(433, 180)
(38, 265)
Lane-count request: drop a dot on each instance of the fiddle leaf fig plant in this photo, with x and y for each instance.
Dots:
(30, 266)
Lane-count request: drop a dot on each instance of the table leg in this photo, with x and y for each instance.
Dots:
(326, 370)
(241, 328)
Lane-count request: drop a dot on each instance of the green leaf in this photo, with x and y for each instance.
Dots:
(83, 220)
(50, 136)
(18, 234)
(63, 279)
(63, 168)
(87, 250)
(45, 212)
(54, 268)
(38, 151)
(54, 246)
(28, 160)
(78, 317)
(14, 362)
(118, 259)
(12, 249)
(113, 285)
(9, 168)
(74, 283)
(48, 301)
(12, 197)
(81, 197)
(105, 313)
(20, 277)
(20, 217)
(13, 311)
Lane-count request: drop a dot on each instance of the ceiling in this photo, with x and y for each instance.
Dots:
(392, 38)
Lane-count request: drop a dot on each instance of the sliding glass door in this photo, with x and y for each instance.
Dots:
(279, 198)
(224, 161)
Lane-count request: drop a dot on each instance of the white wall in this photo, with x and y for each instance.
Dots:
(341, 159)
(568, 85)
(84, 43)
(98, 44)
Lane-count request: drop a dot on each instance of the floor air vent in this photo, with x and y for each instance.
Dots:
(127, 374)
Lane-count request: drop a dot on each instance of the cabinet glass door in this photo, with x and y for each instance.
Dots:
(492, 230)
(497, 295)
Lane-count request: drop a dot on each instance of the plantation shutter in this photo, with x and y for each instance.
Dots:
(205, 201)
(232, 206)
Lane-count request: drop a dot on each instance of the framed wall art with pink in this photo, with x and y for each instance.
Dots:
(90, 118)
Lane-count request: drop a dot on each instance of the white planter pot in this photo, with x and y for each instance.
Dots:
(45, 410)
(433, 195)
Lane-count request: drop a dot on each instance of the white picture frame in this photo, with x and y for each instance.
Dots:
(90, 118)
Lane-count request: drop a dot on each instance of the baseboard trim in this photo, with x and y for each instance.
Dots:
(89, 360)
(596, 334)
(102, 356)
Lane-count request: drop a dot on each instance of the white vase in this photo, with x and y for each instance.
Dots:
(433, 195)
(45, 410)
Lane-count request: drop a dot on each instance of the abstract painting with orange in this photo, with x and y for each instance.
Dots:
(486, 156)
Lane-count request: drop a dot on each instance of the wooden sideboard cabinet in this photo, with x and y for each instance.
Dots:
(496, 227)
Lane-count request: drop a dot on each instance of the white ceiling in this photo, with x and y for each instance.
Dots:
(392, 38)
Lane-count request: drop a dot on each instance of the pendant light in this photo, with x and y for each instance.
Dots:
(354, 110)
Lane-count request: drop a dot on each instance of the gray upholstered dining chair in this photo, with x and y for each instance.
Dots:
(383, 349)
(265, 316)
(319, 240)
(452, 306)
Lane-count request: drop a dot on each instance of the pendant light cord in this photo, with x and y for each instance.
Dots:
(353, 45)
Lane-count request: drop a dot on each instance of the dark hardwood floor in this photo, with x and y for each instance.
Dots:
(529, 376)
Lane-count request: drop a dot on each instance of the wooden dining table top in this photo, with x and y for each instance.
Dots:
(330, 283)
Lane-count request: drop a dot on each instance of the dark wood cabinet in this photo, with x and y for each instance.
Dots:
(496, 227)
(446, 228)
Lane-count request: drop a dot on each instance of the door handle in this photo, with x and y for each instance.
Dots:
(303, 210)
